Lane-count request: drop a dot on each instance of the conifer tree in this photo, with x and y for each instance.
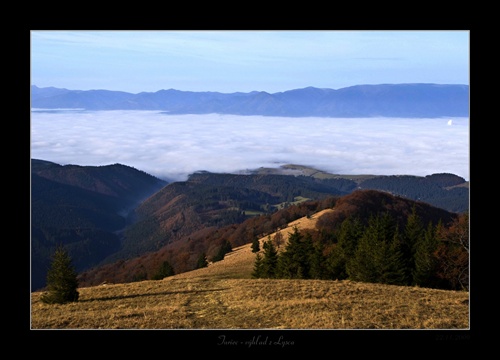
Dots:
(413, 233)
(164, 271)
(391, 263)
(425, 260)
(257, 267)
(294, 261)
(223, 250)
(269, 260)
(255, 245)
(361, 267)
(317, 268)
(307, 253)
(378, 258)
(335, 264)
(202, 261)
(350, 232)
(62, 282)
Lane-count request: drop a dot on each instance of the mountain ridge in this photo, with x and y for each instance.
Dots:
(89, 208)
(384, 100)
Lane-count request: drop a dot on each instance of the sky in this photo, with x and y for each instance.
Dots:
(173, 146)
(248, 60)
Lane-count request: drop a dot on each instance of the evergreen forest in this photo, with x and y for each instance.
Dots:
(378, 251)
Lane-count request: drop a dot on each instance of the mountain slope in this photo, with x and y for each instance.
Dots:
(83, 208)
(114, 214)
(325, 217)
(444, 190)
(388, 100)
(209, 200)
(124, 183)
(240, 261)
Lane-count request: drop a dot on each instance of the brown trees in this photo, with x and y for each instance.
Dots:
(453, 253)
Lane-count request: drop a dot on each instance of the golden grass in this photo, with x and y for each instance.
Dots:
(239, 262)
(224, 296)
(216, 303)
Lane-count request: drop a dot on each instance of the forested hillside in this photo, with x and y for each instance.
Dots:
(408, 236)
(446, 191)
(108, 215)
(196, 249)
(210, 200)
(378, 238)
(82, 208)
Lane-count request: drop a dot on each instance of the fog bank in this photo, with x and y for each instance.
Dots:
(173, 146)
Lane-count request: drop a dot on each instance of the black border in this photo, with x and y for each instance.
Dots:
(208, 342)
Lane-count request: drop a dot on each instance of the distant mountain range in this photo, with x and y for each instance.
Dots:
(385, 100)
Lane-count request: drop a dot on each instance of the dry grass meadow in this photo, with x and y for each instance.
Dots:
(224, 296)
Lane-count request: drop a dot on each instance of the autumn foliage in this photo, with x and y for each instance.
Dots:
(371, 236)
(390, 244)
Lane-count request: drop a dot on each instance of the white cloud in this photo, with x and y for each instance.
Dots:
(173, 146)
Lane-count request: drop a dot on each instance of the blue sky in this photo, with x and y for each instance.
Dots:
(230, 61)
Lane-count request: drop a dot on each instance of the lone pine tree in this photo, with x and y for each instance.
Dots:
(62, 282)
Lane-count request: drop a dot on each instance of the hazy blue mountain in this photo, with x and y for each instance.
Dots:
(389, 100)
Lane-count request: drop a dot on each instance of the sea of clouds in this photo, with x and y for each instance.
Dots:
(173, 146)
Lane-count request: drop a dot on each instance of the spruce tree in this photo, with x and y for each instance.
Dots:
(164, 271)
(294, 261)
(378, 258)
(425, 260)
(62, 282)
(351, 230)
(307, 253)
(317, 268)
(269, 260)
(413, 234)
(223, 250)
(335, 265)
(361, 267)
(390, 262)
(255, 245)
(257, 267)
(202, 261)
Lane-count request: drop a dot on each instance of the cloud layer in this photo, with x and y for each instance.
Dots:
(173, 146)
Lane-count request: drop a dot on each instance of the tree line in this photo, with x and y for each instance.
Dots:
(377, 252)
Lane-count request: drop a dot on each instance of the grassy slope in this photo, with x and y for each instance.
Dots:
(239, 263)
(224, 296)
